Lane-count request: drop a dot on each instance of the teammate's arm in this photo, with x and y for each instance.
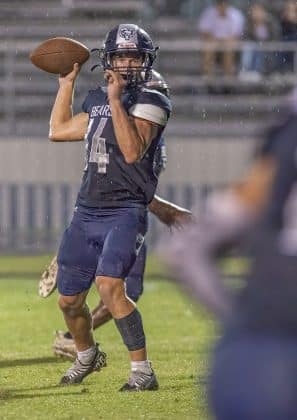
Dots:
(63, 125)
(168, 213)
(134, 135)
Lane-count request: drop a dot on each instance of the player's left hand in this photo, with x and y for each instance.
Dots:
(181, 218)
(115, 84)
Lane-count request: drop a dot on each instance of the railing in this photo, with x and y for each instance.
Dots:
(34, 216)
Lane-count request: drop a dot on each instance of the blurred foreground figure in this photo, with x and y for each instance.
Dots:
(254, 372)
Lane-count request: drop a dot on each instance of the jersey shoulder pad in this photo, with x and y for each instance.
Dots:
(151, 105)
(155, 97)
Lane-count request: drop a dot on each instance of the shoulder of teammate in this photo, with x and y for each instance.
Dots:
(90, 97)
(151, 105)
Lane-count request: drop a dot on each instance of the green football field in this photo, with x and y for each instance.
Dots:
(179, 335)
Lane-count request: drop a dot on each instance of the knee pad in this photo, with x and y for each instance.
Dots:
(131, 330)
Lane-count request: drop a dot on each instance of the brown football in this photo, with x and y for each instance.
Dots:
(57, 55)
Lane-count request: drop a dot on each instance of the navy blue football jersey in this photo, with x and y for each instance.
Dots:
(108, 181)
(160, 159)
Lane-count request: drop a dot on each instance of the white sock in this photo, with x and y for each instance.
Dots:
(86, 356)
(142, 366)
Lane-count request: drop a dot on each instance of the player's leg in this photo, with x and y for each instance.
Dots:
(118, 255)
(134, 289)
(129, 323)
(100, 315)
(78, 319)
(77, 260)
(134, 280)
(64, 344)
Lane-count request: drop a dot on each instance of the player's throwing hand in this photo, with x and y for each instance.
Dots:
(70, 77)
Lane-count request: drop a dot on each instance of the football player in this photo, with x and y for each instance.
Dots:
(122, 125)
(48, 281)
(167, 212)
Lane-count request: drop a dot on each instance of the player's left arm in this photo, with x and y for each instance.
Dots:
(169, 213)
(133, 134)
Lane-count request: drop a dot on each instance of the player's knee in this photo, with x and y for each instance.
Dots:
(110, 289)
(70, 305)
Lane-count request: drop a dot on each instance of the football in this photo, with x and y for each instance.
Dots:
(57, 55)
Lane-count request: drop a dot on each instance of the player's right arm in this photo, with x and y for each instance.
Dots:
(63, 125)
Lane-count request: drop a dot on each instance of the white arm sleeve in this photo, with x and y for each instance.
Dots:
(149, 112)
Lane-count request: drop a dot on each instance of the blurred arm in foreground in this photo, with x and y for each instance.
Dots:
(253, 372)
(228, 216)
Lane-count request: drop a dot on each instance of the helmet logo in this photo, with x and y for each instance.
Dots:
(127, 33)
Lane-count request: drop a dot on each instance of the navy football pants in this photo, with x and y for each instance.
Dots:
(100, 242)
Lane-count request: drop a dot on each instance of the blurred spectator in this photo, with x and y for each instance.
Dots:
(222, 25)
(260, 27)
(255, 362)
(157, 8)
(289, 34)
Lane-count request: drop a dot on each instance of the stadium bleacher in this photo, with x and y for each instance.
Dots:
(28, 91)
(227, 109)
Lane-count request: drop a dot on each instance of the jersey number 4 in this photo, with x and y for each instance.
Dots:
(98, 146)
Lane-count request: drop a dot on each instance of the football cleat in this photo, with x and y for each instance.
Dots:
(64, 346)
(78, 371)
(140, 381)
(48, 280)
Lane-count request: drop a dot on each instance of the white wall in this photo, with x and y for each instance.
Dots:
(211, 161)
(40, 161)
